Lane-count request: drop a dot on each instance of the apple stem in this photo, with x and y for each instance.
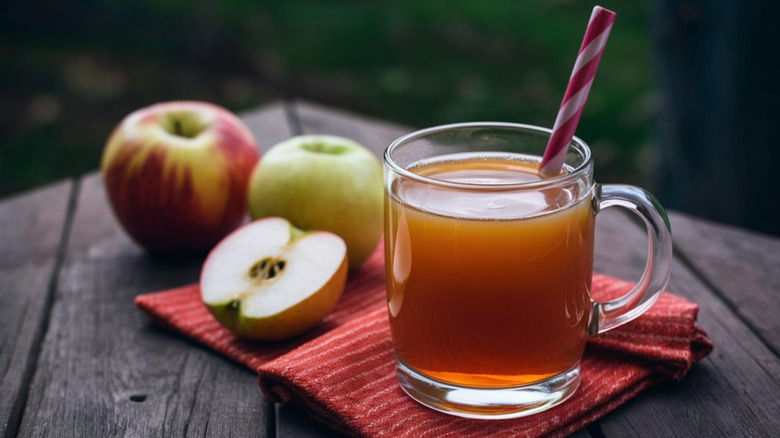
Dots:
(177, 127)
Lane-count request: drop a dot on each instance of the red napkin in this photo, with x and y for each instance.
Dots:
(342, 372)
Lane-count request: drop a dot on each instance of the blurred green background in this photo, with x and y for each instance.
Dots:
(70, 70)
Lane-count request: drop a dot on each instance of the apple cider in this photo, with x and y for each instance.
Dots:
(487, 289)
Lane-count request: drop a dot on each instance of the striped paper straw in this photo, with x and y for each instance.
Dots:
(577, 91)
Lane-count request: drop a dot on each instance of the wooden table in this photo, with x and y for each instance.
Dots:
(78, 360)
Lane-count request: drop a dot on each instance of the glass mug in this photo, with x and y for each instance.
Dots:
(488, 267)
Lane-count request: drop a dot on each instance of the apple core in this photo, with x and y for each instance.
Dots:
(266, 269)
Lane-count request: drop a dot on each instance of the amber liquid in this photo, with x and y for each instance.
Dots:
(487, 289)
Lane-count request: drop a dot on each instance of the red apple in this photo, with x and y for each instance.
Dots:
(176, 175)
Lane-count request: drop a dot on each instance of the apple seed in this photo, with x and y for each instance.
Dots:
(266, 269)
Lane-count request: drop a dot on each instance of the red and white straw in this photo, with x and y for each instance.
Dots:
(577, 91)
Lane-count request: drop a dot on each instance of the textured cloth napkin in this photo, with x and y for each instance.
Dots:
(342, 371)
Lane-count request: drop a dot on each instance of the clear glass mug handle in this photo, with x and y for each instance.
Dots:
(610, 314)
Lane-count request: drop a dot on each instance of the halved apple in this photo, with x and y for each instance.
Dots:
(270, 281)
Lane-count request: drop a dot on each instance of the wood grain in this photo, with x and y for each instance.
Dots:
(106, 370)
(270, 125)
(374, 134)
(732, 392)
(741, 266)
(31, 228)
(292, 422)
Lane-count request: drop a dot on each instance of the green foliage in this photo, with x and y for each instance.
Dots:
(415, 62)
(425, 63)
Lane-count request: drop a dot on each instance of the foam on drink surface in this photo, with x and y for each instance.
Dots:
(489, 198)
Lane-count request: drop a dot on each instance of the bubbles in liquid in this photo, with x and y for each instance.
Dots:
(484, 201)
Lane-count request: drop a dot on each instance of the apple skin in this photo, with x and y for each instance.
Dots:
(293, 320)
(179, 193)
(323, 182)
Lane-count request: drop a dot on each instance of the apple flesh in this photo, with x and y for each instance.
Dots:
(270, 281)
(322, 182)
(176, 175)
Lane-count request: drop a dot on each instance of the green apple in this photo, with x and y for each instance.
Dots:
(322, 182)
(270, 281)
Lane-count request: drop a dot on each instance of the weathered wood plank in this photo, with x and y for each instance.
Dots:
(733, 392)
(270, 125)
(741, 266)
(106, 370)
(374, 134)
(31, 230)
(291, 422)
